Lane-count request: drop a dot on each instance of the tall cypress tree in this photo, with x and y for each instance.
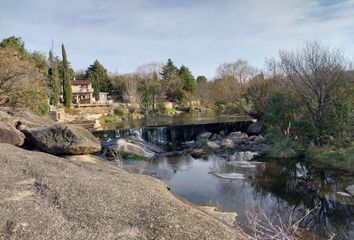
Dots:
(53, 74)
(67, 94)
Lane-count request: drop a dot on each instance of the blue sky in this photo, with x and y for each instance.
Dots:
(200, 34)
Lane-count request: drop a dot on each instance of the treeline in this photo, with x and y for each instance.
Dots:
(304, 97)
(32, 75)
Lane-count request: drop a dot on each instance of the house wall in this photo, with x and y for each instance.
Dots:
(82, 88)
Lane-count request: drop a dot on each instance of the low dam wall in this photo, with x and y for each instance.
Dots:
(175, 133)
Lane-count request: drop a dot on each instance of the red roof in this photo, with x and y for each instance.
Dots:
(80, 82)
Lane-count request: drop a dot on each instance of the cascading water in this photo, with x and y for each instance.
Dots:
(130, 132)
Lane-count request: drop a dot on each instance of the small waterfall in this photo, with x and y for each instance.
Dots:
(130, 132)
(156, 135)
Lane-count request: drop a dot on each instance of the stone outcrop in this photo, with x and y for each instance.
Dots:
(46, 197)
(13, 115)
(115, 148)
(63, 139)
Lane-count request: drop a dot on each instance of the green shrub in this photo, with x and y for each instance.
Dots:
(161, 108)
(109, 119)
(120, 111)
(330, 156)
(129, 155)
(36, 100)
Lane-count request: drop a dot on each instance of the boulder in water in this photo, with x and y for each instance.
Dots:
(229, 175)
(122, 146)
(204, 135)
(214, 137)
(255, 128)
(260, 148)
(213, 145)
(238, 135)
(198, 153)
(227, 143)
(61, 139)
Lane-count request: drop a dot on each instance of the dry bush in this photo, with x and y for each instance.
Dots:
(261, 226)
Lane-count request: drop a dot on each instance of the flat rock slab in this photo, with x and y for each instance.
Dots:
(241, 164)
(344, 194)
(229, 175)
(46, 197)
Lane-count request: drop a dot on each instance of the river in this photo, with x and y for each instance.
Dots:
(278, 189)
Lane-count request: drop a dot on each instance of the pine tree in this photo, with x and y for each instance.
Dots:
(201, 80)
(187, 80)
(53, 74)
(171, 82)
(67, 94)
(99, 77)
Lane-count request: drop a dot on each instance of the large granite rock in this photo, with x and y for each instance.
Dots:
(46, 197)
(9, 134)
(62, 139)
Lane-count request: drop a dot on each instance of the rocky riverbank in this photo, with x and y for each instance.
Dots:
(83, 197)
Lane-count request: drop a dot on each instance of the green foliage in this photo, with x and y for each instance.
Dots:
(188, 81)
(171, 83)
(133, 156)
(284, 148)
(169, 71)
(31, 98)
(18, 44)
(67, 91)
(201, 80)
(110, 119)
(327, 156)
(39, 61)
(120, 111)
(99, 77)
(150, 92)
(53, 77)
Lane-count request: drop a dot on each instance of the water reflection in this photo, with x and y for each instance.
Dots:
(178, 119)
(287, 188)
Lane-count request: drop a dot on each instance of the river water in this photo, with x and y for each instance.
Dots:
(177, 119)
(278, 189)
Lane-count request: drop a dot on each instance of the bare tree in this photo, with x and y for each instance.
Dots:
(146, 71)
(131, 88)
(314, 72)
(240, 70)
(12, 70)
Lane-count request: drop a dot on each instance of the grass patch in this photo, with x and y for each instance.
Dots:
(326, 156)
(110, 120)
(171, 111)
(131, 156)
